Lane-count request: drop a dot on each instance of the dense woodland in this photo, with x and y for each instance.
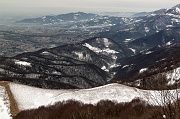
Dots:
(136, 109)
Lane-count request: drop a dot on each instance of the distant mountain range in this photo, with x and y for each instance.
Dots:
(60, 18)
(133, 51)
(144, 25)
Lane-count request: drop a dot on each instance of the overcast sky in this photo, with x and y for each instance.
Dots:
(64, 6)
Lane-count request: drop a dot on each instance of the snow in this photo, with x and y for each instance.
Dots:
(168, 26)
(22, 63)
(104, 68)
(146, 29)
(114, 65)
(109, 51)
(125, 66)
(168, 43)
(82, 56)
(164, 116)
(148, 52)
(143, 70)
(161, 60)
(173, 76)
(44, 17)
(175, 20)
(106, 42)
(177, 10)
(91, 47)
(134, 51)
(29, 97)
(4, 104)
(45, 52)
(114, 57)
(128, 40)
(152, 14)
(98, 50)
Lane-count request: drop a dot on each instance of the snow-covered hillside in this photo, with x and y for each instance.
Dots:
(4, 104)
(30, 97)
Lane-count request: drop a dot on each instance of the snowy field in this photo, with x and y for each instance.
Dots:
(29, 97)
(4, 104)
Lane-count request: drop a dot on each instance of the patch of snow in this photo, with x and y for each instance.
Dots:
(82, 56)
(173, 76)
(143, 70)
(125, 66)
(106, 42)
(44, 17)
(175, 20)
(148, 52)
(4, 104)
(114, 65)
(128, 40)
(98, 50)
(91, 47)
(161, 60)
(109, 51)
(114, 57)
(146, 29)
(79, 54)
(45, 53)
(168, 43)
(152, 14)
(29, 97)
(103, 68)
(57, 73)
(177, 10)
(168, 26)
(22, 63)
(134, 51)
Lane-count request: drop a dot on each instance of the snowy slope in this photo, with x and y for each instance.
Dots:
(29, 97)
(4, 104)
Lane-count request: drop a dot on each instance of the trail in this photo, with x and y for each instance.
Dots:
(14, 110)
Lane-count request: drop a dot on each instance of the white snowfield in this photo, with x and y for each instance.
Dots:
(29, 97)
(98, 50)
(4, 104)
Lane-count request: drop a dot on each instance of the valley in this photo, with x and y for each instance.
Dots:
(90, 57)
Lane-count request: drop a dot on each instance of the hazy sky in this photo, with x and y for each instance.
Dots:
(63, 6)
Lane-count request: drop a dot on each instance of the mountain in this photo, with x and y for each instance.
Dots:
(165, 37)
(77, 20)
(157, 20)
(82, 65)
(60, 18)
(108, 50)
(174, 10)
(146, 25)
(139, 14)
(101, 21)
(151, 69)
